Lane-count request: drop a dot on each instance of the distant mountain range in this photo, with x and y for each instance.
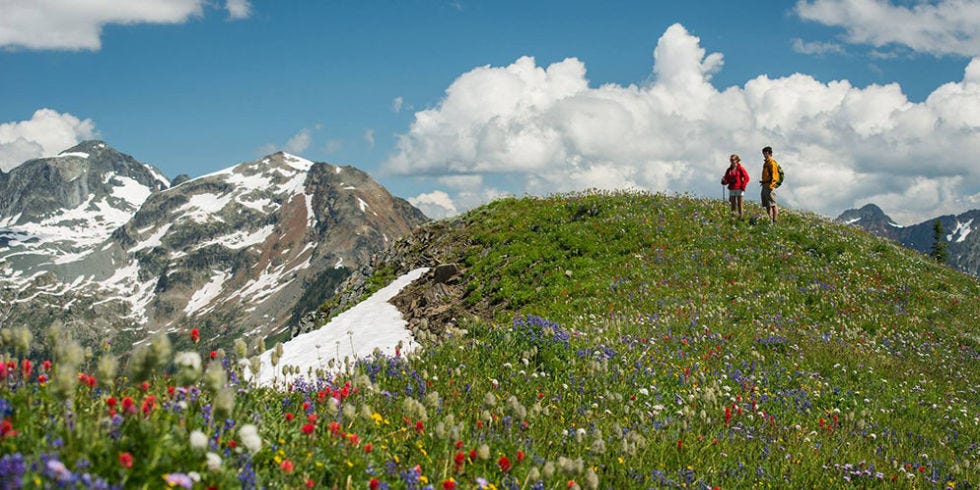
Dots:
(960, 233)
(102, 243)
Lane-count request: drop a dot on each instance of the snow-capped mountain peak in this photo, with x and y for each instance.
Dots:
(241, 251)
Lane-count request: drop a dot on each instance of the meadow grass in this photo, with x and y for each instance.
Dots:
(628, 340)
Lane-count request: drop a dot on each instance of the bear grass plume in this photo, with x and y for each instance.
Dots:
(616, 340)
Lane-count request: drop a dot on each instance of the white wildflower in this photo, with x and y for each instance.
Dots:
(249, 435)
(199, 440)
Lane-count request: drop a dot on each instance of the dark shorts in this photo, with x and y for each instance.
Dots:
(768, 197)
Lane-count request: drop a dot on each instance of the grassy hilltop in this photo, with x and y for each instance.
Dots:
(619, 340)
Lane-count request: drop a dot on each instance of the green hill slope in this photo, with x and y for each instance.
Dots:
(806, 351)
(600, 341)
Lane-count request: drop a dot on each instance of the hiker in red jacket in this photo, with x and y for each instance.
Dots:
(736, 178)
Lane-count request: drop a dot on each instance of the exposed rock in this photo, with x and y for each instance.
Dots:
(443, 273)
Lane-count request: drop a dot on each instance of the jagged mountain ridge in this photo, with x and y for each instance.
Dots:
(62, 204)
(239, 252)
(963, 245)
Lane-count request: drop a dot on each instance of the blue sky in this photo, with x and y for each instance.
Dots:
(451, 104)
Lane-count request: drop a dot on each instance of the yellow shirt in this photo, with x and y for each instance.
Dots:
(769, 173)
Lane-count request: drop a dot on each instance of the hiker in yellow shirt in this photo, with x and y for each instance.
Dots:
(768, 182)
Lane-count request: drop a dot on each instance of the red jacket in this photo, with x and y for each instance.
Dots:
(736, 178)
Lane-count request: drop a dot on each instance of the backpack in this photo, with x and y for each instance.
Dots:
(779, 171)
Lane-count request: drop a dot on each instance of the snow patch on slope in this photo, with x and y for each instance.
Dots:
(355, 333)
(962, 230)
(201, 208)
(207, 293)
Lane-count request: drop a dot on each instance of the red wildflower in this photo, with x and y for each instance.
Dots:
(354, 439)
(306, 406)
(310, 483)
(195, 335)
(128, 405)
(289, 416)
(148, 404)
(311, 418)
(46, 365)
(232, 444)
(126, 460)
(214, 355)
(309, 428)
(171, 390)
(459, 444)
(373, 484)
(321, 396)
(334, 428)
(42, 379)
(368, 448)
(472, 454)
(728, 414)
(449, 484)
(286, 466)
(7, 428)
(503, 463)
(680, 444)
(459, 459)
(25, 367)
(520, 456)
(419, 427)
(145, 386)
(86, 380)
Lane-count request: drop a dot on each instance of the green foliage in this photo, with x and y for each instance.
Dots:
(938, 250)
(630, 341)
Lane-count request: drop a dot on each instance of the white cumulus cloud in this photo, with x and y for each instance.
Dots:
(238, 9)
(77, 24)
(841, 145)
(435, 204)
(45, 134)
(939, 28)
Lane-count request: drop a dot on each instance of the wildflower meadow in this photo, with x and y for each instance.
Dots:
(618, 340)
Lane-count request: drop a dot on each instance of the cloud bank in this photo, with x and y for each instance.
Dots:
(842, 146)
(947, 27)
(45, 134)
(77, 24)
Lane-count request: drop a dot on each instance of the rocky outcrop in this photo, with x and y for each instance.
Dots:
(89, 172)
(433, 305)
